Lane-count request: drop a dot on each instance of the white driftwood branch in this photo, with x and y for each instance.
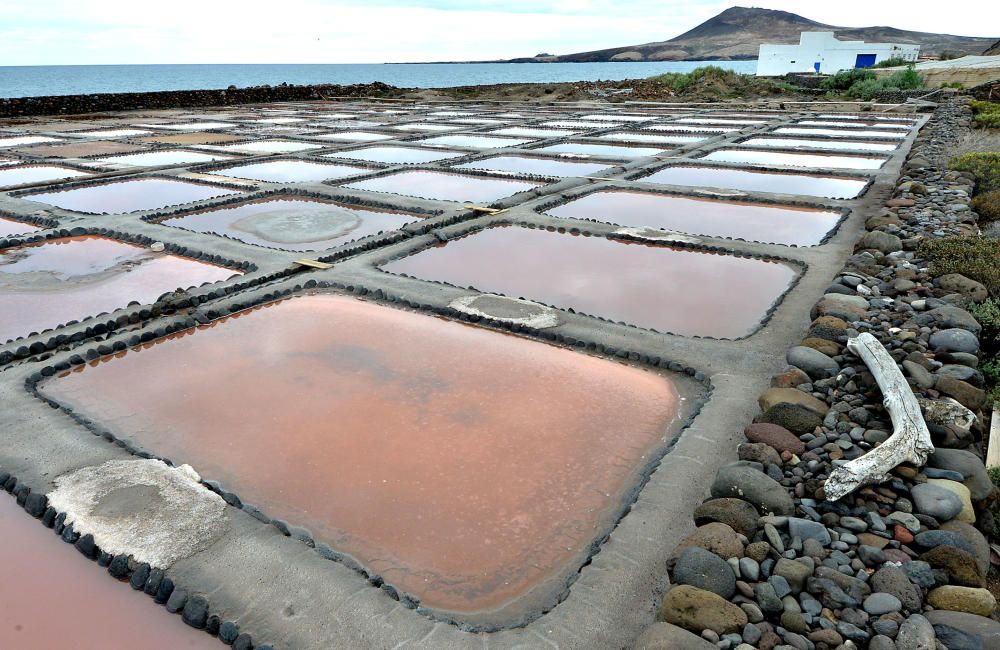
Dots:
(910, 441)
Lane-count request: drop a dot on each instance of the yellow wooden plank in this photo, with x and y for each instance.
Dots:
(313, 264)
(482, 208)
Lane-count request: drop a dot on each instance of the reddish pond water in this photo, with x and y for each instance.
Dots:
(786, 159)
(668, 289)
(462, 465)
(291, 171)
(47, 284)
(833, 187)
(610, 150)
(22, 174)
(750, 221)
(831, 145)
(445, 187)
(129, 196)
(539, 166)
(54, 598)
(401, 155)
(10, 227)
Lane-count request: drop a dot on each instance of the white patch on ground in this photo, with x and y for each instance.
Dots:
(143, 508)
(299, 226)
(727, 193)
(507, 310)
(652, 234)
(196, 176)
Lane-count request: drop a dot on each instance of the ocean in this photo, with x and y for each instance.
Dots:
(30, 81)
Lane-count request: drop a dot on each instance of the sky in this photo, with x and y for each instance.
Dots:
(58, 32)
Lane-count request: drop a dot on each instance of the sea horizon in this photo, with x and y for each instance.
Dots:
(75, 79)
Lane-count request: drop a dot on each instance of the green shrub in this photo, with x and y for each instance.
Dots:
(681, 81)
(866, 90)
(868, 87)
(988, 121)
(991, 371)
(846, 78)
(987, 205)
(993, 398)
(987, 313)
(908, 79)
(893, 62)
(994, 506)
(979, 106)
(987, 114)
(983, 165)
(994, 474)
(974, 257)
(778, 87)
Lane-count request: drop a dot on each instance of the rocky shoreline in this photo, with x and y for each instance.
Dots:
(772, 563)
(103, 102)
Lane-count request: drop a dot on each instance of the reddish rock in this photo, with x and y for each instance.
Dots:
(902, 535)
(775, 436)
(790, 379)
(900, 203)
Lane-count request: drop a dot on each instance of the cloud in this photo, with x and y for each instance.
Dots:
(47, 32)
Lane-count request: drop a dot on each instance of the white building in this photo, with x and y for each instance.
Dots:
(822, 52)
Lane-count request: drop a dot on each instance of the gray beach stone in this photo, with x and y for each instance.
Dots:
(746, 483)
(794, 572)
(936, 501)
(950, 317)
(969, 465)
(985, 629)
(933, 538)
(664, 636)
(736, 513)
(956, 639)
(881, 642)
(705, 570)
(815, 364)
(807, 529)
(881, 241)
(892, 580)
(916, 633)
(954, 340)
(882, 603)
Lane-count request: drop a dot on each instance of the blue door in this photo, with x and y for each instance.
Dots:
(864, 61)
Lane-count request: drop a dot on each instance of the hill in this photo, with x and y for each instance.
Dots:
(737, 33)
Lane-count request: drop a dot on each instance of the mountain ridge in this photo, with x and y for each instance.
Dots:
(737, 32)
